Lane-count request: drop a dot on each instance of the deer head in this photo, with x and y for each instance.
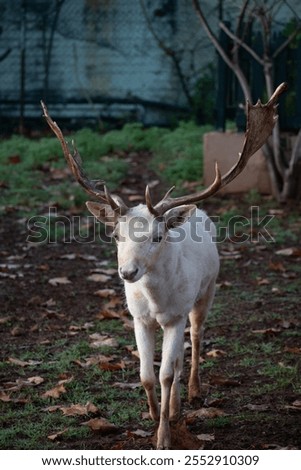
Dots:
(145, 228)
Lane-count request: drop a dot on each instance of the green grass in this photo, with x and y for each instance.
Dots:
(26, 164)
(27, 425)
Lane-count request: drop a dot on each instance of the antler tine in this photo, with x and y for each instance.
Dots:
(74, 163)
(261, 119)
(168, 203)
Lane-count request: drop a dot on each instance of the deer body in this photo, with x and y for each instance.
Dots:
(180, 281)
(169, 265)
(168, 277)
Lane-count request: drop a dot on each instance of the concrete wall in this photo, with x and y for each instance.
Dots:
(224, 148)
(103, 52)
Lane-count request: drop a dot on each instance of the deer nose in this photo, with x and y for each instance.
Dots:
(128, 274)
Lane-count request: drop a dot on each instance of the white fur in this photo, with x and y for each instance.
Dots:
(165, 282)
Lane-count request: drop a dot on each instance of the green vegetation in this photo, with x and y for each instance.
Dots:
(32, 171)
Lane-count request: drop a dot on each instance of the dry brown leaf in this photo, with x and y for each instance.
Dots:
(36, 380)
(125, 385)
(20, 363)
(57, 435)
(4, 320)
(109, 366)
(224, 284)
(79, 410)
(262, 281)
(206, 437)
(55, 392)
(56, 281)
(292, 251)
(69, 256)
(216, 353)
(258, 408)
(52, 409)
(99, 340)
(17, 331)
(88, 257)
(98, 277)
(268, 331)
(101, 425)
(139, 433)
(293, 350)
(223, 381)
(295, 406)
(204, 413)
(4, 397)
(105, 292)
(90, 361)
(278, 267)
(107, 314)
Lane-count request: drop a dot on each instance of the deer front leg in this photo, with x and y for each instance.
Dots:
(170, 371)
(145, 339)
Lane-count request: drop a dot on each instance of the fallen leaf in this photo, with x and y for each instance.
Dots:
(20, 363)
(54, 437)
(109, 366)
(52, 409)
(4, 397)
(88, 257)
(293, 350)
(69, 256)
(216, 353)
(56, 281)
(55, 392)
(101, 425)
(204, 413)
(139, 433)
(224, 284)
(262, 281)
(258, 408)
(99, 340)
(107, 314)
(223, 381)
(278, 267)
(206, 437)
(293, 251)
(93, 360)
(36, 380)
(125, 385)
(105, 292)
(98, 277)
(79, 410)
(268, 331)
(17, 331)
(295, 406)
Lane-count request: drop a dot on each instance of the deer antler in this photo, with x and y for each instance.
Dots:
(261, 119)
(74, 162)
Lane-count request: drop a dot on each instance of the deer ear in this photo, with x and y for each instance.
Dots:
(102, 212)
(178, 215)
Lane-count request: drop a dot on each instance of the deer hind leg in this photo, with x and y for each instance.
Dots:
(197, 317)
(170, 371)
(145, 339)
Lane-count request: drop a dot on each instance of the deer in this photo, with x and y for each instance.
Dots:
(169, 275)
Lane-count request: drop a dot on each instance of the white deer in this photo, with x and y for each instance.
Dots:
(168, 261)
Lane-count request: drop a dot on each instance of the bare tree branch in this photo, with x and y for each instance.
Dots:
(241, 43)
